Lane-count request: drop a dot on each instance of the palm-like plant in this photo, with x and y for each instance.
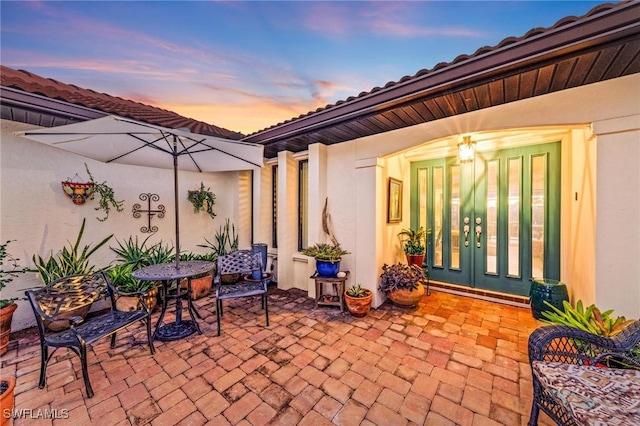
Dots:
(70, 261)
(132, 252)
(413, 240)
(226, 240)
(121, 277)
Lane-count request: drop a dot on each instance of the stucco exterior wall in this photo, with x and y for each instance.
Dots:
(40, 217)
(591, 262)
(617, 263)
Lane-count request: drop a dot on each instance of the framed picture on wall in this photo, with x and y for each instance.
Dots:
(394, 201)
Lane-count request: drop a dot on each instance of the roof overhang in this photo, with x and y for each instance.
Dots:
(602, 45)
(25, 107)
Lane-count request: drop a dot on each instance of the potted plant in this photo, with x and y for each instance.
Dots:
(589, 319)
(77, 191)
(7, 306)
(414, 245)
(132, 289)
(327, 257)
(225, 242)
(203, 199)
(107, 196)
(132, 252)
(593, 321)
(402, 283)
(358, 300)
(7, 400)
(134, 255)
(70, 260)
(200, 284)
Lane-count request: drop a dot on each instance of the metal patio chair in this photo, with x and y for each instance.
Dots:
(59, 302)
(241, 263)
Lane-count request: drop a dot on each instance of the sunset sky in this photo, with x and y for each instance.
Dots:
(246, 66)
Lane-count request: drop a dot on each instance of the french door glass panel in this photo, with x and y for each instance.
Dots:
(438, 214)
(498, 216)
(514, 216)
(491, 227)
(454, 215)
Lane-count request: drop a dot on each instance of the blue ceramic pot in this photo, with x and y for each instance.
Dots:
(327, 269)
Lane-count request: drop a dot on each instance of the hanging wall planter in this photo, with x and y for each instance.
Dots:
(80, 191)
(77, 191)
(203, 199)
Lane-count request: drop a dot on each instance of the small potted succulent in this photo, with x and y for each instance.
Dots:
(327, 257)
(402, 283)
(358, 300)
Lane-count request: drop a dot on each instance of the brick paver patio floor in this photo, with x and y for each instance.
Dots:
(451, 361)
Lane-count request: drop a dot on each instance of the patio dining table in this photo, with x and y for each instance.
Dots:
(168, 273)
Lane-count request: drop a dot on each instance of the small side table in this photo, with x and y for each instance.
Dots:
(338, 288)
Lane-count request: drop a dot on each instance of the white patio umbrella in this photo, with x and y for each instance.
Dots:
(114, 139)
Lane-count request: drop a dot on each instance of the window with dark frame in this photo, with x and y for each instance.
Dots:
(303, 203)
(274, 206)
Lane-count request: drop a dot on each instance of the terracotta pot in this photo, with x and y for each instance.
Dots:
(405, 297)
(415, 259)
(6, 315)
(132, 303)
(200, 287)
(230, 278)
(358, 306)
(63, 324)
(7, 387)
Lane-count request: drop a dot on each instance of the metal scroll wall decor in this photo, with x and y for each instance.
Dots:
(159, 211)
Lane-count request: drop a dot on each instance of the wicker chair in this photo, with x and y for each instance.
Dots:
(59, 303)
(241, 263)
(567, 350)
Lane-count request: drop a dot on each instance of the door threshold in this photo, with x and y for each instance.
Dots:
(491, 296)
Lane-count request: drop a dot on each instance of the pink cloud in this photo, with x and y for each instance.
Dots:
(379, 18)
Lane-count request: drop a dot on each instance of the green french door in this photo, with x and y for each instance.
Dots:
(493, 223)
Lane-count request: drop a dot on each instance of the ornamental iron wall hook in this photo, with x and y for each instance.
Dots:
(159, 211)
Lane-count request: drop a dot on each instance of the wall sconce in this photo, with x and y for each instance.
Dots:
(466, 150)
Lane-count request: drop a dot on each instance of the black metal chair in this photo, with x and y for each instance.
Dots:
(569, 345)
(241, 263)
(58, 304)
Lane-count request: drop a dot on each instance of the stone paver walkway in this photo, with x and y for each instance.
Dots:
(451, 361)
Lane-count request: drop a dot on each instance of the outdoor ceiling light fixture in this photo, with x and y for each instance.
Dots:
(466, 150)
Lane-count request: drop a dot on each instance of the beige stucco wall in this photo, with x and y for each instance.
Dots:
(592, 261)
(40, 217)
(617, 260)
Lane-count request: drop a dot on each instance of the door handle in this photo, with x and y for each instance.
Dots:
(478, 232)
(466, 229)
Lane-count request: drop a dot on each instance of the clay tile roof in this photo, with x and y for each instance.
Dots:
(70, 93)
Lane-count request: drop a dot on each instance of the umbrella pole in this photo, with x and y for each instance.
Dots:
(175, 192)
